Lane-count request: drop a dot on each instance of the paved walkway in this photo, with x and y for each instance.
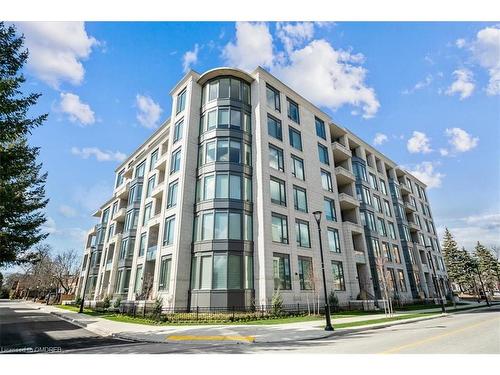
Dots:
(309, 330)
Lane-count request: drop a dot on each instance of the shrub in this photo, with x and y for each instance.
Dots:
(117, 303)
(277, 303)
(333, 301)
(106, 302)
(78, 301)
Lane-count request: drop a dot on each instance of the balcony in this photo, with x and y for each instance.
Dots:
(413, 227)
(344, 176)
(109, 265)
(359, 256)
(340, 152)
(347, 202)
(409, 207)
(354, 227)
(161, 163)
(122, 191)
(425, 268)
(151, 253)
(405, 189)
(153, 221)
(158, 190)
(119, 215)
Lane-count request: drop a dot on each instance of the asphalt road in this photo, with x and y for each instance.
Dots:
(470, 332)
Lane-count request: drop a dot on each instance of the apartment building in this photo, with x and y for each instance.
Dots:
(215, 209)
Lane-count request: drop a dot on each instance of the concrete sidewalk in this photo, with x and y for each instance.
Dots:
(309, 330)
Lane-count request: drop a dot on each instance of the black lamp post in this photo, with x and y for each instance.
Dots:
(328, 327)
(86, 278)
(436, 282)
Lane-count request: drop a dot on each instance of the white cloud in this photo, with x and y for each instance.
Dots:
(379, 139)
(149, 111)
(56, 50)
(426, 173)
(486, 49)
(444, 152)
(326, 77)
(293, 35)
(67, 211)
(419, 143)
(49, 226)
(419, 85)
(76, 110)
(461, 140)
(100, 155)
(460, 43)
(253, 47)
(190, 58)
(90, 198)
(470, 229)
(463, 84)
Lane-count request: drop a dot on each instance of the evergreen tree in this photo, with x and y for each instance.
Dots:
(468, 276)
(22, 186)
(453, 259)
(487, 265)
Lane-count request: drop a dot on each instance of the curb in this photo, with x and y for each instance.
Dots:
(340, 332)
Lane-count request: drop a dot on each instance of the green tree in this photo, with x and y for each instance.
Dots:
(487, 265)
(22, 186)
(453, 259)
(468, 277)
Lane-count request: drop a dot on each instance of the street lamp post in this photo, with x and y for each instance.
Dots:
(436, 282)
(328, 327)
(85, 281)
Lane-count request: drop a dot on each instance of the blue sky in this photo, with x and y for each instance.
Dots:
(427, 92)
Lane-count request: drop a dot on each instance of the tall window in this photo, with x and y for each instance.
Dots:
(175, 163)
(364, 195)
(298, 167)
(387, 208)
(278, 194)
(383, 187)
(402, 283)
(397, 256)
(147, 213)
(305, 273)
(172, 194)
(329, 206)
(326, 180)
(153, 159)
(320, 128)
(333, 240)
(206, 272)
(323, 154)
(142, 244)
(273, 98)
(295, 138)
(302, 233)
(381, 227)
(338, 275)
(139, 170)
(119, 178)
(181, 101)
(293, 111)
(387, 251)
(274, 127)
(373, 181)
(276, 158)
(151, 186)
(392, 231)
(376, 248)
(370, 221)
(178, 130)
(300, 199)
(165, 266)
(138, 280)
(168, 234)
(279, 228)
(359, 171)
(219, 275)
(378, 203)
(281, 271)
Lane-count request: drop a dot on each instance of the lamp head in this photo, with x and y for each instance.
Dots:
(317, 216)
